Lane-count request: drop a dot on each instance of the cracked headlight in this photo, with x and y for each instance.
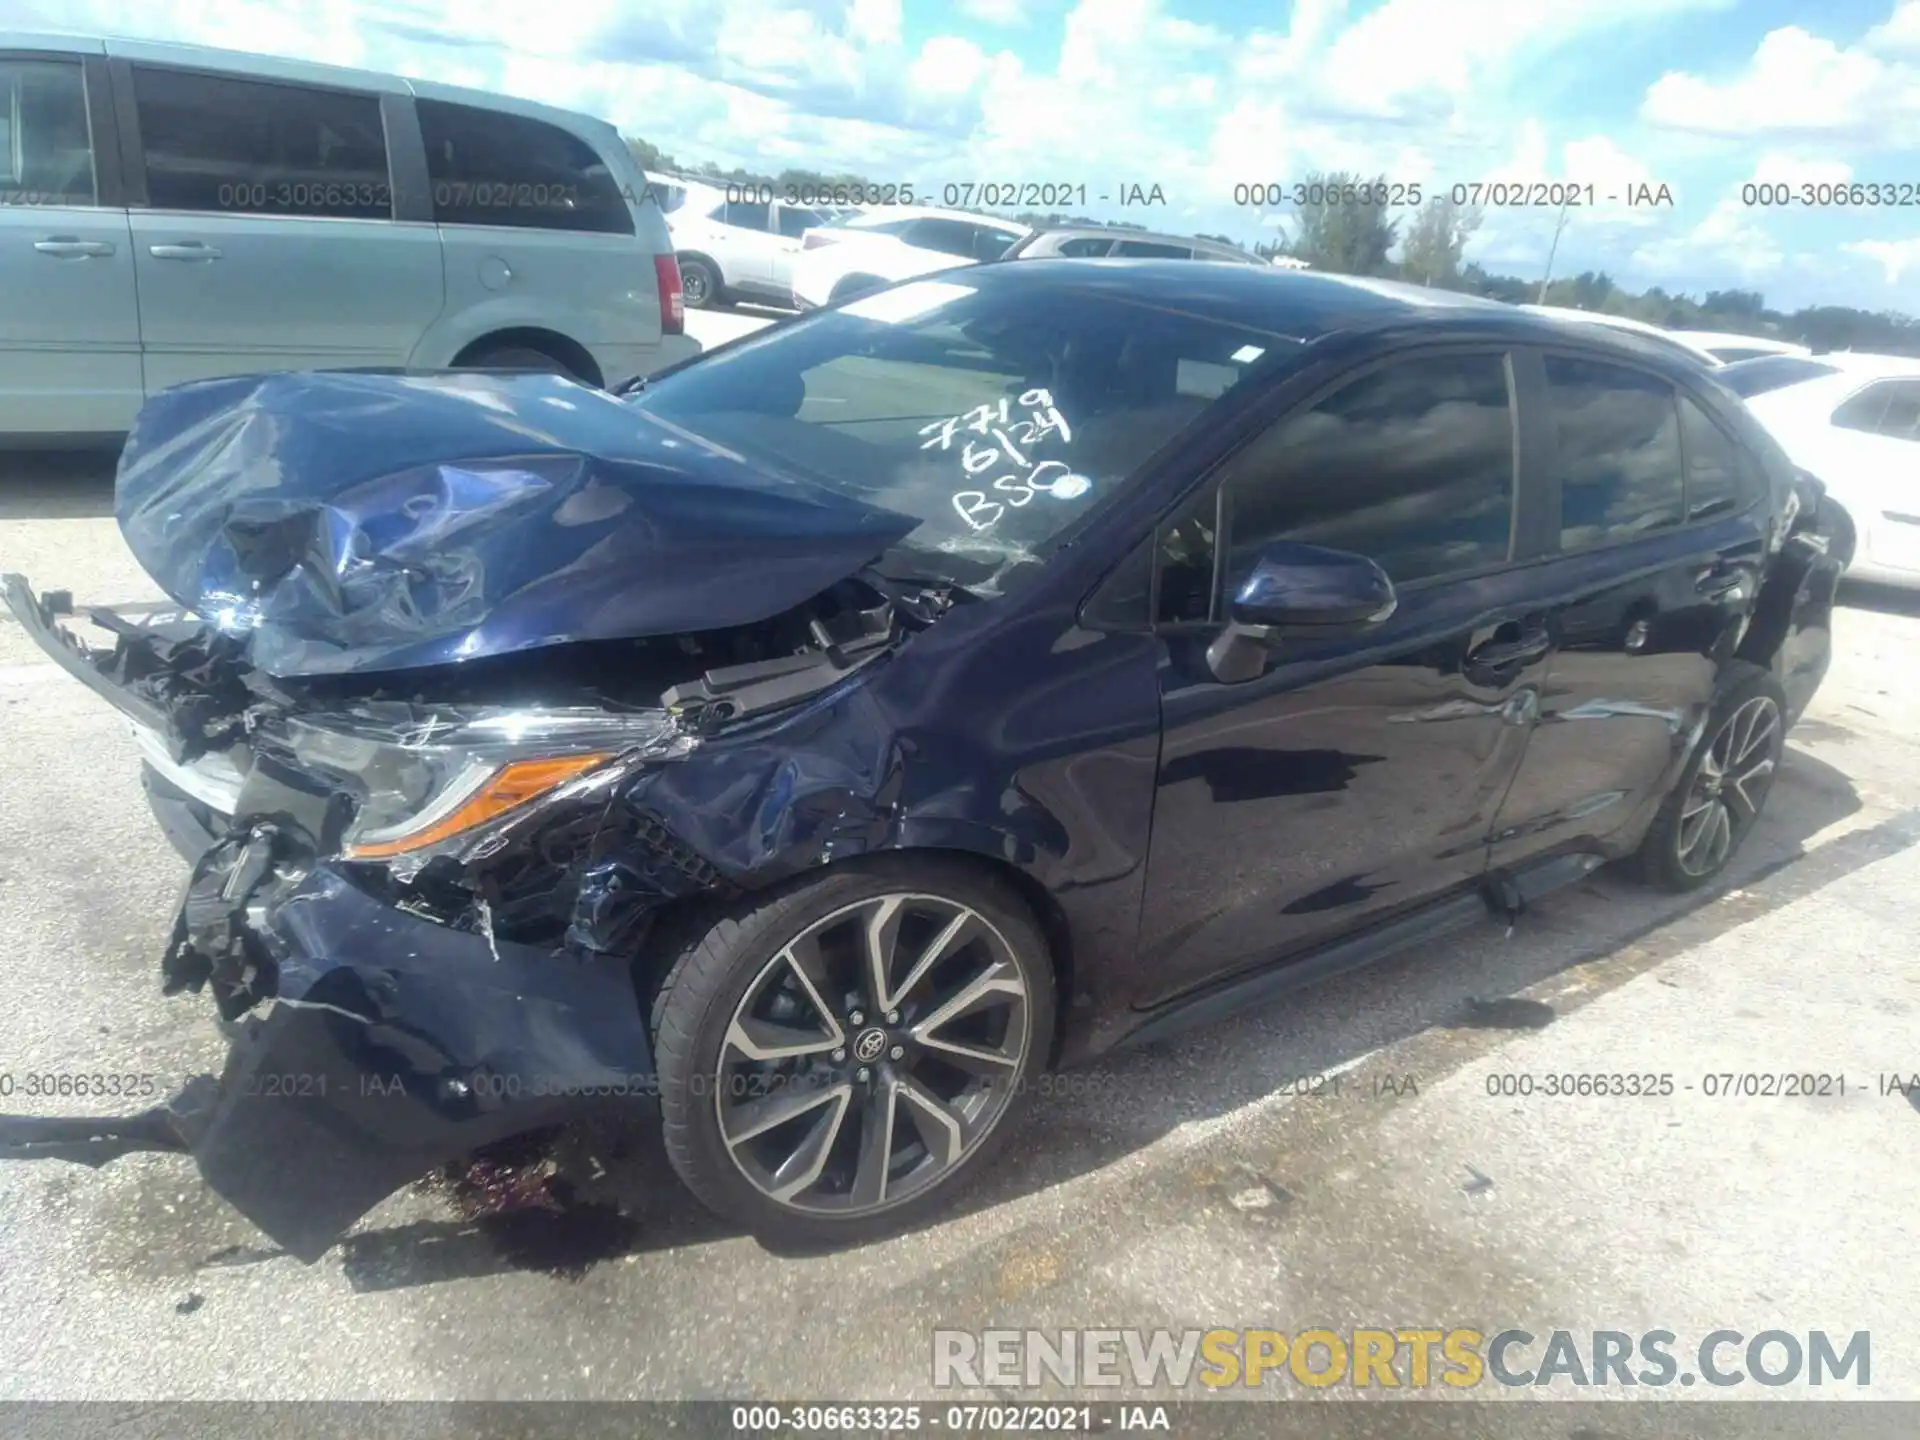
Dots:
(424, 776)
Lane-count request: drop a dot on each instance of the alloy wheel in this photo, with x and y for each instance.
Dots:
(871, 1055)
(1729, 787)
(693, 285)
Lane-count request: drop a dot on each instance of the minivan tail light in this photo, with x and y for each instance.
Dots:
(673, 301)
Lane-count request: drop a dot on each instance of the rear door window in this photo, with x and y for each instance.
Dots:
(46, 154)
(748, 214)
(1720, 476)
(1887, 407)
(491, 168)
(255, 147)
(1618, 434)
(1085, 247)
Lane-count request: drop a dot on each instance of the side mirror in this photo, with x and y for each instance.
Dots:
(1297, 591)
(1311, 588)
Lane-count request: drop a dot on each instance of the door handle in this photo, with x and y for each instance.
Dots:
(1721, 585)
(70, 247)
(1496, 653)
(191, 250)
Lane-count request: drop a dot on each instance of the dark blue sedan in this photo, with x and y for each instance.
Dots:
(814, 744)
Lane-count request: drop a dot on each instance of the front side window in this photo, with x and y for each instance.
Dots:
(795, 222)
(1618, 433)
(254, 147)
(949, 237)
(1085, 247)
(491, 168)
(1411, 465)
(995, 413)
(46, 151)
(1151, 250)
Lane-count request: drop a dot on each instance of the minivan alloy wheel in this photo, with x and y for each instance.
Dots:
(1730, 785)
(872, 1054)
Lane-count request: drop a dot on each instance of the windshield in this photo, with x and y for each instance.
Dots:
(994, 413)
(1747, 378)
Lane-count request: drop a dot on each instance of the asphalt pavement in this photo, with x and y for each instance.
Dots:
(1193, 1184)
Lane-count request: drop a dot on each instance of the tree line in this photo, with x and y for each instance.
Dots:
(1428, 247)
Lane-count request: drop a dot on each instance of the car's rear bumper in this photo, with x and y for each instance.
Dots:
(389, 1045)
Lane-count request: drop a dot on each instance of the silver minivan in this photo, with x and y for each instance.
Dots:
(170, 213)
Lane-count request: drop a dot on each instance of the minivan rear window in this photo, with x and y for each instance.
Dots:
(491, 168)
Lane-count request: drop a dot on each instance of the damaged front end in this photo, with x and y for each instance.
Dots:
(420, 886)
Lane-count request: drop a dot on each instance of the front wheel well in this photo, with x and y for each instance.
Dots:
(682, 922)
(571, 353)
(848, 286)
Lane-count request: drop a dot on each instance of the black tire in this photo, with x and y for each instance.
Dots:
(852, 287)
(1707, 816)
(521, 357)
(700, 283)
(735, 969)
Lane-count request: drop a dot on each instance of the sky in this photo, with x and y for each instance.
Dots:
(1199, 96)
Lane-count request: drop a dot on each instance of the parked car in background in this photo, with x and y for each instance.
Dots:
(918, 695)
(1727, 348)
(1666, 339)
(670, 192)
(169, 213)
(739, 249)
(1853, 421)
(1093, 242)
(880, 246)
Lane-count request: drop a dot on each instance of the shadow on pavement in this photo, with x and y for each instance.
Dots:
(601, 1195)
(57, 484)
(1884, 599)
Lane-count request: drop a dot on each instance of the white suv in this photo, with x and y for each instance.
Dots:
(882, 246)
(734, 244)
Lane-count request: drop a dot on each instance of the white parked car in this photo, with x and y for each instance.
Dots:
(1852, 421)
(881, 246)
(1669, 339)
(1727, 347)
(735, 243)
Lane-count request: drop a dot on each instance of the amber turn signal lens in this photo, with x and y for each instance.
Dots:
(511, 785)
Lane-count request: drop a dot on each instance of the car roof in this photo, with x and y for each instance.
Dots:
(932, 212)
(1727, 338)
(1305, 305)
(1154, 237)
(242, 64)
(1869, 367)
(1622, 322)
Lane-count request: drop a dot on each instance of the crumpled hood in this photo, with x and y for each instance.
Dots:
(355, 521)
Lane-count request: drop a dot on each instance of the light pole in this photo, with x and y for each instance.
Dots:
(1552, 250)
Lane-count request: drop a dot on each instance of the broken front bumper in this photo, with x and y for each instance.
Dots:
(390, 1044)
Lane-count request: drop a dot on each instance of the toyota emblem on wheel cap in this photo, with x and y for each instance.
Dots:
(870, 1045)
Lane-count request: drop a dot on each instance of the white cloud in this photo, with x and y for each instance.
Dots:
(1417, 90)
(1895, 257)
(1775, 168)
(995, 12)
(1799, 84)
